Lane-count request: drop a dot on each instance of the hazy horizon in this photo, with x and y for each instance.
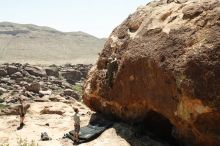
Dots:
(96, 17)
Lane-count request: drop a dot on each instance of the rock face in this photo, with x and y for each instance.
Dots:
(168, 55)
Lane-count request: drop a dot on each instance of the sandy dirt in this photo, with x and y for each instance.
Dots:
(58, 125)
(119, 135)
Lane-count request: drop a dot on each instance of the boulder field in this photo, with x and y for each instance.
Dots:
(41, 83)
(168, 55)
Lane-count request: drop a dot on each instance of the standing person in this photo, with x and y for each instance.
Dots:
(22, 110)
(76, 125)
(112, 68)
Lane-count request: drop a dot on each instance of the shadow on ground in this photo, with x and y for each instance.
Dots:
(155, 130)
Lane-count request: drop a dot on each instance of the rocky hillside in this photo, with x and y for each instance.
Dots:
(168, 75)
(43, 45)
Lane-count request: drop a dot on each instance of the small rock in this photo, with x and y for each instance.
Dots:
(56, 98)
(2, 90)
(34, 87)
(40, 100)
(18, 80)
(16, 75)
(25, 73)
(48, 92)
(58, 82)
(66, 86)
(23, 83)
(17, 87)
(29, 94)
(6, 81)
(45, 137)
(46, 110)
(70, 92)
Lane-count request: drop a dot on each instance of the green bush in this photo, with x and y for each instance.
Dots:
(78, 88)
(2, 106)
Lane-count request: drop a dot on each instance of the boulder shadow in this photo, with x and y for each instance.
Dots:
(154, 130)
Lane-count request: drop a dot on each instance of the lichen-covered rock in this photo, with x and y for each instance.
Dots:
(168, 55)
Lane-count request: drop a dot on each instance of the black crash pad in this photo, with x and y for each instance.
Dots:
(92, 130)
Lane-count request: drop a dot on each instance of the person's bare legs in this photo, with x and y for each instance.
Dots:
(77, 137)
(22, 121)
(74, 136)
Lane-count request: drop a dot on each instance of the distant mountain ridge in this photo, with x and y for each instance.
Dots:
(44, 45)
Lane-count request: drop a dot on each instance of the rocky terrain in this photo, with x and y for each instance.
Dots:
(41, 83)
(53, 91)
(168, 75)
(43, 45)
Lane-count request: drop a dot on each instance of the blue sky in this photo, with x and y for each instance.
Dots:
(96, 17)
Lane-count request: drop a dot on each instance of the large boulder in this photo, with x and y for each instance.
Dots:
(3, 72)
(33, 87)
(71, 75)
(35, 71)
(52, 71)
(11, 69)
(168, 55)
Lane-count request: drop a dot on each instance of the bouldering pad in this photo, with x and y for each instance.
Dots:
(92, 130)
